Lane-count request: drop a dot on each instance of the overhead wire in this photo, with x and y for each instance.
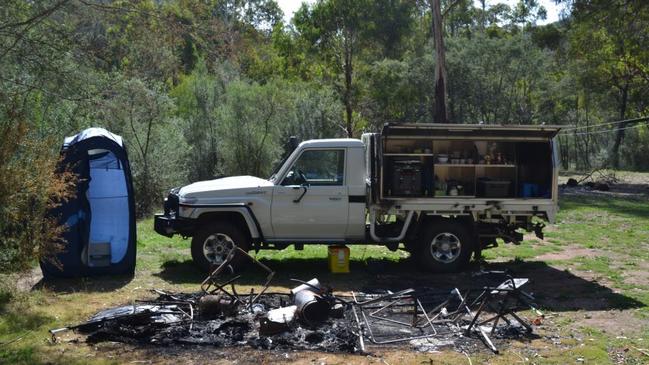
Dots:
(634, 120)
(609, 130)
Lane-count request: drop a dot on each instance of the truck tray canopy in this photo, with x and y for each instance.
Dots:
(471, 131)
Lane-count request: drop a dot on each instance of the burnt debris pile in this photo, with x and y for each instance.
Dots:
(428, 317)
(187, 319)
(311, 317)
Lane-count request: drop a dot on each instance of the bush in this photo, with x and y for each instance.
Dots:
(29, 189)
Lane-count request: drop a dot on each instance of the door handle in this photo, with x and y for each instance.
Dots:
(335, 198)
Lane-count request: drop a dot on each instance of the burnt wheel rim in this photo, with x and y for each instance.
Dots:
(445, 248)
(216, 248)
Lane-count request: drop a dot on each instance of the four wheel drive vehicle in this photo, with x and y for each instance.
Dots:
(445, 191)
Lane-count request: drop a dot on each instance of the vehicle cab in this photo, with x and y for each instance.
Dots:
(317, 195)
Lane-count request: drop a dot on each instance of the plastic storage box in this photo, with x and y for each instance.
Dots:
(494, 188)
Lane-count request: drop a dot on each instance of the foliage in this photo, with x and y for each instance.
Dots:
(201, 89)
(29, 189)
(142, 114)
(251, 116)
(502, 83)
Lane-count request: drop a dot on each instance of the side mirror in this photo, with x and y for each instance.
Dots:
(293, 177)
(290, 179)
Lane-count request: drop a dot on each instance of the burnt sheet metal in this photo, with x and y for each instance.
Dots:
(277, 320)
(138, 314)
(154, 313)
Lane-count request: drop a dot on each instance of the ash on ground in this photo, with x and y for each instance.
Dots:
(311, 317)
(241, 329)
(423, 319)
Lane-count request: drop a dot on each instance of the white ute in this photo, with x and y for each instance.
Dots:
(444, 191)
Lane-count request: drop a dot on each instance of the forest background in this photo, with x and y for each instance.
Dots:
(206, 88)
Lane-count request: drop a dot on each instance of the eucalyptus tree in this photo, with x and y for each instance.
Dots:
(610, 40)
(342, 33)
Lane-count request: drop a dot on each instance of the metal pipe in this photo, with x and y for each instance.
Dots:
(360, 330)
(382, 297)
(478, 328)
(398, 238)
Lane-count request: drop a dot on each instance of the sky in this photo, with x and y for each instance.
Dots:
(291, 6)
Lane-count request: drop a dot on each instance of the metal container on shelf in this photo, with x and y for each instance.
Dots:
(407, 178)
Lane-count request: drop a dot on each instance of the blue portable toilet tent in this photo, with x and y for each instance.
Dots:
(100, 219)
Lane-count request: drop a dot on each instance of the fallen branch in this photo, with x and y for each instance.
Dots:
(642, 351)
(15, 339)
(588, 176)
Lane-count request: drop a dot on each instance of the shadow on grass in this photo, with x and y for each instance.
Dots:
(635, 206)
(180, 272)
(185, 272)
(555, 289)
(104, 283)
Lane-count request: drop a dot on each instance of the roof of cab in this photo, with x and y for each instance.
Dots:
(471, 130)
(332, 143)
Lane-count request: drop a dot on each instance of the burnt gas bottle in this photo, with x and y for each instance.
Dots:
(215, 305)
(312, 308)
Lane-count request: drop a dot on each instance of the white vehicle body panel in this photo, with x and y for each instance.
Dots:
(215, 196)
(322, 212)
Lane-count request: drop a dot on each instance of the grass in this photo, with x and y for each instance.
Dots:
(614, 229)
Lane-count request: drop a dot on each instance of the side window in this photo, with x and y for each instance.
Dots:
(318, 168)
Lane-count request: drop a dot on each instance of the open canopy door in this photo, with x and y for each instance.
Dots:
(471, 131)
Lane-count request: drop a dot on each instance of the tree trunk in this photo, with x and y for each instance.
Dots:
(619, 135)
(440, 64)
(349, 123)
(587, 136)
(483, 21)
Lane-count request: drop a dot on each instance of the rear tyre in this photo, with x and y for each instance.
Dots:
(446, 246)
(214, 241)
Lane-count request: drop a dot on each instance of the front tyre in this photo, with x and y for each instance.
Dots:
(214, 241)
(446, 246)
